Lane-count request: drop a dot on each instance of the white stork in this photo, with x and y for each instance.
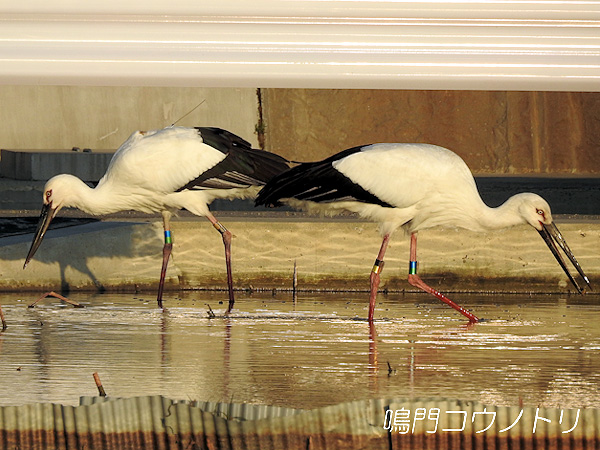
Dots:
(164, 171)
(413, 186)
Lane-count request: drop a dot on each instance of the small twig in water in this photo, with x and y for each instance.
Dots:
(210, 312)
(99, 385)
(54, 294)
(295, 283)
(390, 370)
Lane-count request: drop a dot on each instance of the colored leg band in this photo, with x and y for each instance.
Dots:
(168, 239)
(378, 266)
(412, 268)
(220, 228)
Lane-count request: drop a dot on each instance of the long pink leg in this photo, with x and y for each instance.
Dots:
(416, 281)
(226, 234)
(166, 254)
(374, 278)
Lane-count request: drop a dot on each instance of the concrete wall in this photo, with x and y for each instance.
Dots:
(335, 254)
(61, 117)
(495, 132)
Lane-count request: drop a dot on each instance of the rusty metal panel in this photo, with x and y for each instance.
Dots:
(456, 424)
(234, 411)
(157, 422)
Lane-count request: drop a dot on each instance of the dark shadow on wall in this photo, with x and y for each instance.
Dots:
(74, 242)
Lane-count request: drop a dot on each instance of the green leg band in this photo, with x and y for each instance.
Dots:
(412, 268)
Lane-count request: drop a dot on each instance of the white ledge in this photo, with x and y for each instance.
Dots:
(504, 45)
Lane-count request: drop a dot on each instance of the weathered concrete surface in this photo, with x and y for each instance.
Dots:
(493, 131)
(330, 254)
(96, 256)
(98, 117)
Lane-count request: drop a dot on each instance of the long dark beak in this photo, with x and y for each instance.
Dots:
(552, 236)
(46, 217)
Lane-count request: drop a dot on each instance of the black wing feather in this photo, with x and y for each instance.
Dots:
(317, 182)
(242, 167)
(221, 139)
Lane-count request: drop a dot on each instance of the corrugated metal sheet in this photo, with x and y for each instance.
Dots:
(232, 411)
(160, 423)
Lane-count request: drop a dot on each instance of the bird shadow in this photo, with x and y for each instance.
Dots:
(83, 246)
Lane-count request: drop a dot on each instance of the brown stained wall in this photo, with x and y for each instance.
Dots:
(494, 131)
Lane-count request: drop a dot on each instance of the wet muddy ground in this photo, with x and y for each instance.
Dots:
(530, 350)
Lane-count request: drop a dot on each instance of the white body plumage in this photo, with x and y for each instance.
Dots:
(145, 174)
(425, 186)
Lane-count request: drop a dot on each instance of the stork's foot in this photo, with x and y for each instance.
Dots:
(416, 281)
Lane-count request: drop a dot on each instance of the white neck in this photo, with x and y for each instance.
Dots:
(92, 201)
(504, 216)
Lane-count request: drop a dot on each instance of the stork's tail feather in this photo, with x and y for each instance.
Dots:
(270, 194)
(265, 165)
(289, 184)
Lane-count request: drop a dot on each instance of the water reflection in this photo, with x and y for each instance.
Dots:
(373, 357)
(532, 350)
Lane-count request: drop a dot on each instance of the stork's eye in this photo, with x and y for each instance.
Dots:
(540, 212)
(49, 193)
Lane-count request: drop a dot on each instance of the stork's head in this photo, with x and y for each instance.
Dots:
(533, 209)
(536, 212)
(57, 193)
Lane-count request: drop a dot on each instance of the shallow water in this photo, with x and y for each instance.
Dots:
(531, 350)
